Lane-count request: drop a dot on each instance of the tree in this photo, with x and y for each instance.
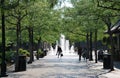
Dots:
(109, 4)
(104, 11)
(3, 64)
(110, 14)
(18, 13)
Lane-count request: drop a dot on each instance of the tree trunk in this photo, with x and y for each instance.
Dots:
(38, 47)
(3, 63)
(87, 38)
(32, 44)
(18, 45)
(30, 30)
(95, 45)
(91, 57)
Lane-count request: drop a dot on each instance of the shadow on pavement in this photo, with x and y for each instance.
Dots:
(117, 65)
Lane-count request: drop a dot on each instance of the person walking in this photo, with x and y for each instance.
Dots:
(59, 52)
(79, 52)
(84, 53)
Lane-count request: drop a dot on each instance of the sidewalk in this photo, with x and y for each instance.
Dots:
(53, 67)
(104, 73)
(65, 67)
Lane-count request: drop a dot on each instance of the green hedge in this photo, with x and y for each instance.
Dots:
(9, 56)
(24, 52)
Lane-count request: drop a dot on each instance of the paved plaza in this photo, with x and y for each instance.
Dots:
(52, 67)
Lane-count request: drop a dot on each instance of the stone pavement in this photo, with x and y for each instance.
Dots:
(53, 67)
(66, 67)
(104, 73)
(98, 68)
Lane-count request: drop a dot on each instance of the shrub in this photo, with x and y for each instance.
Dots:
(10, 55)
(40, 53)
(24, 52)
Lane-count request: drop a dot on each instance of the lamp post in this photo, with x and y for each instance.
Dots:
(3, 64)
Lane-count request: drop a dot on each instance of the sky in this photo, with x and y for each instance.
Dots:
(64, 3)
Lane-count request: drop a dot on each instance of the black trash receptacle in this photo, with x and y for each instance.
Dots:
(22, 63)
(106, 61)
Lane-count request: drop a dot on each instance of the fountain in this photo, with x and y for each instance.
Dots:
(65, 46)
(62, 42)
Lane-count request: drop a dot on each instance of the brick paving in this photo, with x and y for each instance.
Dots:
(52, 67)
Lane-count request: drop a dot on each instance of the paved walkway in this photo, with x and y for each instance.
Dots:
(105, 73)
(53, 67)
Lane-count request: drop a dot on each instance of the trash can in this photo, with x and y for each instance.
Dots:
(22, 63)
(106, 61)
